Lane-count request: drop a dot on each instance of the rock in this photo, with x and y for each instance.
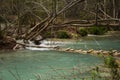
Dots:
(84, 52)
(101, 51)
(79, 51)
(68, 49)
(72, 50)
(116, 54)
(114, 51)
(96, 52)
(90, 51)
(105, 52)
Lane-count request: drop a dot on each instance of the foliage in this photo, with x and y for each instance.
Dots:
(95, 74)
(83, 32)
(98, 30)
(47, 34)
(110, 62)
(62, 34)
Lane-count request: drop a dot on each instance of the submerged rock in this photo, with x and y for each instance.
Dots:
(72, 50)
(79, 51)
(68, 49)
(114, 51)
(96, 52)
(84, 52)
(90, 51)
(106, 52)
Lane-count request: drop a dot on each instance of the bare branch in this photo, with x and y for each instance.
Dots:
(41, 5)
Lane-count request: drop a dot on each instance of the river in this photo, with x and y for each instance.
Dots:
(46, 64)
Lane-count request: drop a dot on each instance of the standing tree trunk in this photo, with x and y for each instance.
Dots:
(114, 10)
(37, 29)
(105, 8)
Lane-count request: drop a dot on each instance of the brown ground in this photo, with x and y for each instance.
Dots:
(7, 43)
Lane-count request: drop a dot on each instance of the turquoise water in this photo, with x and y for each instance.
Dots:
(24, 65)
(97, 42)
(54, 65)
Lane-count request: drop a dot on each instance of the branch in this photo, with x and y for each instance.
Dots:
(42, 6)
(71, 4)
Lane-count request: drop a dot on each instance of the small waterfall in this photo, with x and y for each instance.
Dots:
(45, 45)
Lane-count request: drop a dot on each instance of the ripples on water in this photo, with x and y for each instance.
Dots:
(26, 64)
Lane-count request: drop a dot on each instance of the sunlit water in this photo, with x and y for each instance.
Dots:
(49, 64)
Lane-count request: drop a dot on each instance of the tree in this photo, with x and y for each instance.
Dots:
(37, 29)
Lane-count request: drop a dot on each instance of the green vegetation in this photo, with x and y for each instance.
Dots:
(111, 63)
(47, 34)
(62, 34)
(98, 30)
(22, 15)
(83, 32)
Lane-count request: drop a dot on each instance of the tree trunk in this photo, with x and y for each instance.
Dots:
(114, 10)
(105, 8)
(0, 27)
(37, 29)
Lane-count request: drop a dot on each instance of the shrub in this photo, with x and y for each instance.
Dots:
(47, 34)
(97, 30)
(111, 63)
(62, 34)
(83, 32)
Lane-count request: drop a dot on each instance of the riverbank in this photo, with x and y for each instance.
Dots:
(101, 53)
(7, 43)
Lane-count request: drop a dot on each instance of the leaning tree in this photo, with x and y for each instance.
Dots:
(51, 14)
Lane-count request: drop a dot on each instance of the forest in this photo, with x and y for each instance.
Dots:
(27, 19)
(59, 39)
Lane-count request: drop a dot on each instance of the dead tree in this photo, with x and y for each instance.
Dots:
(40, 27)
